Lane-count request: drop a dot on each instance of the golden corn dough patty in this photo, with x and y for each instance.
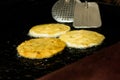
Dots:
(48, 30)
(82, 38)
(40, 48)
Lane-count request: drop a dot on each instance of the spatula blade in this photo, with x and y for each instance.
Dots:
(63, 11)
(87, 16)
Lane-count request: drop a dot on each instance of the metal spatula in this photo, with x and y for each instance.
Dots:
(87, 15)
(63, 10)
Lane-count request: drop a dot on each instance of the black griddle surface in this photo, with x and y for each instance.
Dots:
(15, 25)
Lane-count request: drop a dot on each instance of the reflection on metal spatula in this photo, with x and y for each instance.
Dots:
(87, 15)
(63, 10)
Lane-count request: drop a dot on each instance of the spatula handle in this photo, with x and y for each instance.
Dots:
(86, 4)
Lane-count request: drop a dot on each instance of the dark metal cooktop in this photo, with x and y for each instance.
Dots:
(15, 25)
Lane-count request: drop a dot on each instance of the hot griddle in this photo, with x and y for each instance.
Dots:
(21, 18)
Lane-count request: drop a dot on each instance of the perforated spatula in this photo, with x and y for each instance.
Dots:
(87, 15)
(63, 10)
